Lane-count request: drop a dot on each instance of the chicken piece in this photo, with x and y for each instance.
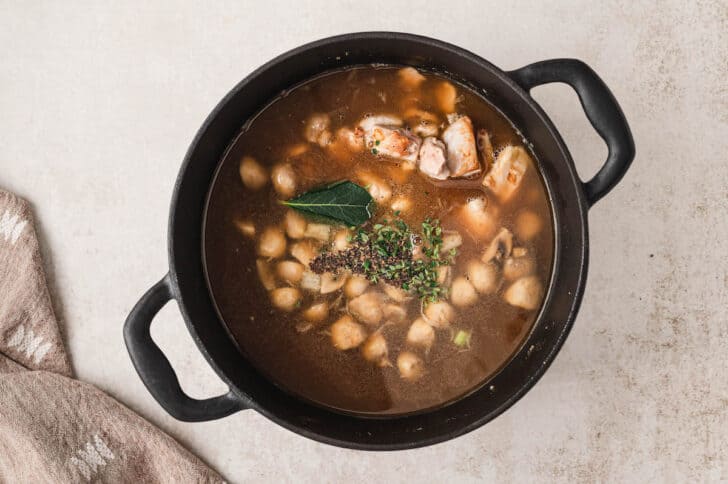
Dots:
(462, 156)
(375, 349)
(410, 78)
(346, 333)
(383, 138)
(505, 176)
(317, 129)
(485, 147)
(433, 159)
(525, 293)
(421, 334)
(367, 308)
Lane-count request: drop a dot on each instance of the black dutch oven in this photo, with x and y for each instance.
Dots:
(570, 200)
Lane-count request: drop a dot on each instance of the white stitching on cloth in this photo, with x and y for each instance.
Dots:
(11, 226)
(91, 457)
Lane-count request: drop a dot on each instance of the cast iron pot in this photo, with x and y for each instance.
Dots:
(570, 200)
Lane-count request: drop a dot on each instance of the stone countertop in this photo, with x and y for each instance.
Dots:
(99, 103)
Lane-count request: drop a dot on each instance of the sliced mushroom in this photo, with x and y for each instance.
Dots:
(421, 334)
(289, 271)
(318, 231)
(347, 333)
(411, 367)
(483, 276)
(286, 298)
(367, 308)
(265, 273)
(439, 314)
(355, 286)
(252, 173)
(295, 225)
(528, 225)
(272, 243)
(375, 349)
(317, 312)
(504, 177)
(462, 292)
(525, 293)
(284, 179)
(500, 247)
(332, 282)
(246, 227)
(485, 147)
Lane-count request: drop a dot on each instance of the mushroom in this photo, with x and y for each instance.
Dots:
(289, 271)
(295, 225)
(485, 147)
(341, 240)
(462, 292)
(318, 231)
(346, 333)
(446, 96)
(310, 281)
(375, 349)
(284, 179)
(355, 286)
(272, 243)
(500, 247)
(444, 275)
(317, 129)
(332, 282)
(246, 227)
(304, 252)
(377, 188)
(394, 313)
(411, 367)
(525, 293)
(479, 217)
(506, 174)
(401, 204)
(252, 173)
(265, 274)
(483, 276)
(286, 298)
(367, 308)
(450, 240)
(528, 225)
(421, 334)
(410, 78)
(517, 267)
(439, 314)
(317, 312)
(345, 143)
(396, 293)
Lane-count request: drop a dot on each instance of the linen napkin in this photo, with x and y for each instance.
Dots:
(54, 428)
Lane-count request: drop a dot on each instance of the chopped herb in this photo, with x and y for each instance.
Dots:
(462, 339)
(375, 151)
(377, 142)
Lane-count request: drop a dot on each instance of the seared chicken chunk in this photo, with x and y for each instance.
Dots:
(462, 157)
(433, 161)
(383, 136)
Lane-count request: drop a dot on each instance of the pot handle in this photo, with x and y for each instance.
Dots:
(154, 368)
(601, 109)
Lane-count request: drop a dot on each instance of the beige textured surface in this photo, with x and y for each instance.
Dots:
(100, 101)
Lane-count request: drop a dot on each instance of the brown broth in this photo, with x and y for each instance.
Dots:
(307, 364)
